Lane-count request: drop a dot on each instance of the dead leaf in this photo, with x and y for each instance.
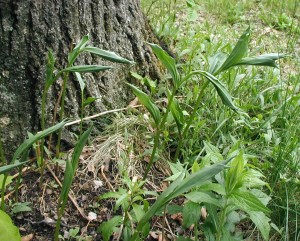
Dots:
(203, 214)
(27, 237)
(164, 185)
(158, 236)
(154, 235)
(147, 159)
(133, 102)
(177, 217)
(97, 184)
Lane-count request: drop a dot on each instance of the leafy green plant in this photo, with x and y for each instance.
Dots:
(73, 234)
(71, 167)
(133, 204)
(20, 156)
(235, 195)
(143, 213)
(21, 207)
(52, 75)
(220, 62)
(227, 199)
(240, 194)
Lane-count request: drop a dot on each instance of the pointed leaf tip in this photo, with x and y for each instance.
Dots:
(167, 61)
(238, 52)
(105, 54)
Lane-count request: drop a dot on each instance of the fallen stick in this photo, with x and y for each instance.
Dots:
(70, 196)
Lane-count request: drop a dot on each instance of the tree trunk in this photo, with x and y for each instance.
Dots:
(29, 28)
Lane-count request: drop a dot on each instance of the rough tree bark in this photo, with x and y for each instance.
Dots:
(28, 28)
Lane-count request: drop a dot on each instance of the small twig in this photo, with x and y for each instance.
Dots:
(103, 113)
(50, 222)
(14, 176)
(12, 192)
(121, 228)
(160, 226)
(85, 228)
(169, 227)
(106, 180)
(70, 196)
(42, 197)
(164, 222)
(23, 170)
(112, 111)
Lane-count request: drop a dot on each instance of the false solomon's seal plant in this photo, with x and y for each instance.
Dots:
(232, 192)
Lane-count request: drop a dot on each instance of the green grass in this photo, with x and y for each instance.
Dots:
(269, 96)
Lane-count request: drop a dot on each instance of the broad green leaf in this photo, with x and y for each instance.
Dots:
(79, 147)
(173, 209)
(216, 61)
(30, 141)
(7, 182)
(50, 69)
(168, 62)
(263, 197)
(238, 52)
(212, 222)
(195, 167)
(232, 219)
(202, 197)
(8, 231)
(215, 187)
(234, 177)
(191, 214)
(73, 232)
(138, 211)
(262, 60)
(89, 100)
(227, 236)
(211, 149)
(145, 232)
(7, 168)
(198, 178)
(146, 101)
(221, 89)
(21, 207)
(136, 75)
(86, 68)
(123, 201)
(247, 202)
(262, 222)
(107, 228)
(252, 178)
(173, 177)
(177, 113)
(176, 167)
(74, 53)
(111, 56)
(151, 84)
(81, 81)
